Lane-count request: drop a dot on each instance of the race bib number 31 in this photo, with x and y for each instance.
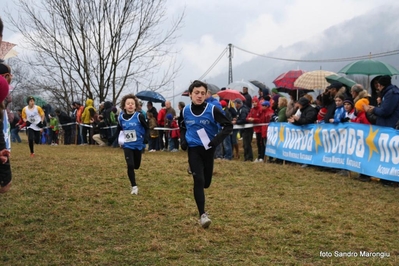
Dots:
(130, 135)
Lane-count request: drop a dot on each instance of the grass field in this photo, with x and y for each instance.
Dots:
(71, 205)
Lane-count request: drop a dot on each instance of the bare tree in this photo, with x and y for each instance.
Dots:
(97, 49)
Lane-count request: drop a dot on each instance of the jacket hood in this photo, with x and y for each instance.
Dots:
(89, 102)
(108, 105)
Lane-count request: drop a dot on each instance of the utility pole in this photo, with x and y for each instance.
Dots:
(230, 64)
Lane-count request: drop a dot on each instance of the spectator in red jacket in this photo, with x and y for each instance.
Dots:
(267, 113)
(255, 116)
(161, 123)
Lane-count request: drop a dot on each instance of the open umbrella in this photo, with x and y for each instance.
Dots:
(238, 85)
(369, 67)
(313, 80)
(344, 80)
(287, 79)
(211, 87)
(299, 90)
(231, 95)
(260, 85)
(5, 48)
(185, 93)
(152, 96)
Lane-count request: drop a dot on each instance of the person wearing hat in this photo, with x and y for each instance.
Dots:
(33, 116)
(350, 114)
(246, 133)
(5, 166)
(200, 135)
(388, 112)
(308, 113)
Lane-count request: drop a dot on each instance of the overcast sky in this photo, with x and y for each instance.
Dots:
(259, 26)
(256, 25)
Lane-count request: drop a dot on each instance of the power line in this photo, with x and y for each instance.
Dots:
(214, 64)
(330, 60)
(208, 70)
(344, 59)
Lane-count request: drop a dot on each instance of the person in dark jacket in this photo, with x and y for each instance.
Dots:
(388, 112)
(308, 113)
(247, 133)
(248, 98)
(66, 124)
(328, 99)
(374, 90)
(152, 109)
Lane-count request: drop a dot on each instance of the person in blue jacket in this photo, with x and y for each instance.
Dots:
(199, 135)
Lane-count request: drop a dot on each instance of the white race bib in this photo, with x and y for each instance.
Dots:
(130, 135)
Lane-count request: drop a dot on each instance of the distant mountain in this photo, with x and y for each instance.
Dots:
(374, 32)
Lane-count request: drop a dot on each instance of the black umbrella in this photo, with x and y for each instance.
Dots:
(211, 87)
(260, 85)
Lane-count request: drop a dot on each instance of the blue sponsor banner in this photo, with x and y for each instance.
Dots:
(370, 150)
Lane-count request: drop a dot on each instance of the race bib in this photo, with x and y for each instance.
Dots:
(32, 119)
(130, 135)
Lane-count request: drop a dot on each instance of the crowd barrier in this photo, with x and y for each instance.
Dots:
(366, 149)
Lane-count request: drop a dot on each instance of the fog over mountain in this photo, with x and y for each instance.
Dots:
(374, 32)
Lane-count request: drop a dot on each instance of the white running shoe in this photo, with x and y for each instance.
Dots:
(205, 221)
(256, 160)
(260, 160)
(135, 190)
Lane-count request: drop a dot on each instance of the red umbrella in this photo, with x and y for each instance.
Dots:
(287, 79)
(185, 93)
(230, 95)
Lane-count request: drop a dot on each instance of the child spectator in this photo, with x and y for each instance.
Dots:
(54, 129)
(360, 112)
(350, 114)
(173, 134)
(339, 114)
(154, 135)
